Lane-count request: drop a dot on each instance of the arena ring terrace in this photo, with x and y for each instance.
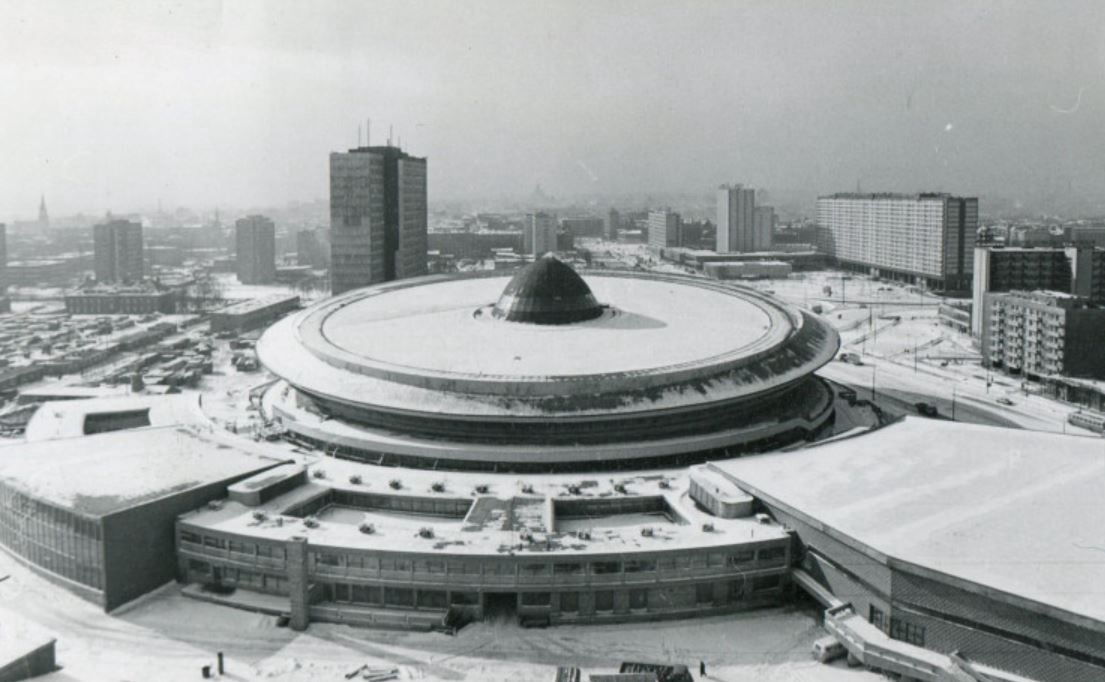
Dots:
(549, 369)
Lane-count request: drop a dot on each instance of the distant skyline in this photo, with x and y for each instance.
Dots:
(117, 106)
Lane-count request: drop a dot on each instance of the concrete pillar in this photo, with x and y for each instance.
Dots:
(299, 583)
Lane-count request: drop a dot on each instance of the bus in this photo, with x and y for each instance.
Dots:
(1094, 421)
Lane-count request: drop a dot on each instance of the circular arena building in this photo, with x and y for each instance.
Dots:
(549, 370)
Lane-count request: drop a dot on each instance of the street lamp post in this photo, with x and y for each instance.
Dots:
(953, 402)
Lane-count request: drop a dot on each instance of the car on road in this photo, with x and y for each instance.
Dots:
(1005, 401)
(927, 409)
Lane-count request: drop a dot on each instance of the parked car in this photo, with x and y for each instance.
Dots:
(927, 409)
(1005, 401)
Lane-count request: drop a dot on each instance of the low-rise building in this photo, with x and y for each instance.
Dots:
(120, 301)
(751, 269)
(253, 313)
(1043, 333)
(116, 544)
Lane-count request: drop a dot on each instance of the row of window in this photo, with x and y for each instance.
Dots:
(329, 561)
(741, 558)
(52, 538)
(568, 602)
(898, 629)
(203, 572)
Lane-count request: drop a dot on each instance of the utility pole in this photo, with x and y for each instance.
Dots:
(874, 371)
(953, 402)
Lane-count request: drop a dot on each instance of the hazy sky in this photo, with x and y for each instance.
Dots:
(114, 105)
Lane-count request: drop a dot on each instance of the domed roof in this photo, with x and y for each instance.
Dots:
(547, 292)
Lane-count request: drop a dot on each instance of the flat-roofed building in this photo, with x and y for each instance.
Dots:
(664, 228)
(123, 300)
(539, 235)
(378, 217)
(96, 514)
(1078, 270)
(959, 539)
(583, 226)
(246, 315)
(118, 251)
(255, 255)
(925, 239)
(763, 225)
(1041, 333)
(736, 220)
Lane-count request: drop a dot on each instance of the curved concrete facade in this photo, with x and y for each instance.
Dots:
(419, 372)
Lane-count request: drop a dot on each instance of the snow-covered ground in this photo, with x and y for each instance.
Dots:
(166, 636)
(895, 330)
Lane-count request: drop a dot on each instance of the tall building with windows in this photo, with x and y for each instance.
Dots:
(763, 227)
(539, 234)
(665, 229)
(255, 255)
(736, 216)
(1043, 333)
(613, 224)
(927, 239)
(118, 251)
(378, 216)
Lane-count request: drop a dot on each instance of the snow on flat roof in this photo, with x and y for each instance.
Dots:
(659, 323)
(1017, 511)
(397, 531)
(66, 418)
(101, 474)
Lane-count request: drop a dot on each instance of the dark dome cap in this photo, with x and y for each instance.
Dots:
(547, 291)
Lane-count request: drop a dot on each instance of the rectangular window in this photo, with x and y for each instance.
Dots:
(341, 592)
(569, 602)
(640, 566)
(186, 536)
(667, 565)
(365, 594)
(765, 582)
(432, 599)
(876, 617)
(704, 593)
(773, 554)
(567, 569)
(536, 599)
(604, 600)
(606, 567)
(741, 558)
(736, 591)
(398, 596)
(534, 569)
(217, 543)
(327, 559)
(907, 632)
(638, 599)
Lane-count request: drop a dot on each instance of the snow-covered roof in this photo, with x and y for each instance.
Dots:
(1016, 511)
(483, 530)
(66, 418)
(433, 345)
(106, 473)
